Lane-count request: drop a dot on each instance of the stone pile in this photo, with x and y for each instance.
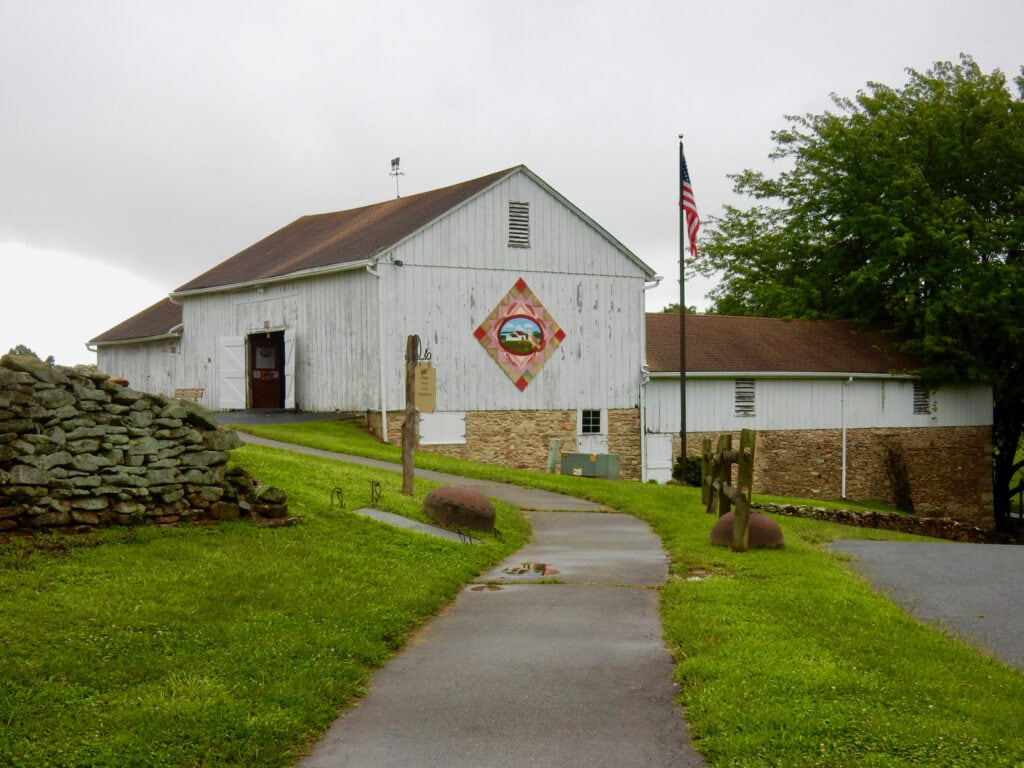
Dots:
(936, 527)
(78, 451)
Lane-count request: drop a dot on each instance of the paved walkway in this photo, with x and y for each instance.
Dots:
(553, 658)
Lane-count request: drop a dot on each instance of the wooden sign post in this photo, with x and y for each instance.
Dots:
(412, 353)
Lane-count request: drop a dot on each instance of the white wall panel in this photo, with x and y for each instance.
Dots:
(597, 364)
(782, 404)
(148, 367)
(334, 322)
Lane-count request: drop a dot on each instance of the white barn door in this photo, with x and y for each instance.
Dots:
(231, 373)
(659, 457)
(592, 430)
(289, 368)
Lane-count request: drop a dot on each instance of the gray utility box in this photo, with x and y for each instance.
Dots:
(591, 465)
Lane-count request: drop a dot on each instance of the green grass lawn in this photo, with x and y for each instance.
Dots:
(234, 645)
(226, 645)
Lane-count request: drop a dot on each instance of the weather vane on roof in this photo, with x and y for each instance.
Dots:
(396, 173)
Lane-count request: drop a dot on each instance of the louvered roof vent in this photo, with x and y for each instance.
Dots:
(518, 225)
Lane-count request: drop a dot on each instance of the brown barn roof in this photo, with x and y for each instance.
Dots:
(328, 239)
(721, 343)
(157, 320)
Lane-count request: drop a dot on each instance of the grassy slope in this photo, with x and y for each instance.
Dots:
(232, 645)
(788, 658)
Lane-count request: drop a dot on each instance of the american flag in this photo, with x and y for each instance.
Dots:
(688, 204)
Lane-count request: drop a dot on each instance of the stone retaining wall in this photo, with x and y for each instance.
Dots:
(522, 439)
(78, 451)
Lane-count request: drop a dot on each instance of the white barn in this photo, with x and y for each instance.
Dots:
(837, 412)
(316, 316)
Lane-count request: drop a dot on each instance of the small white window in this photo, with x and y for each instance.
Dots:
(590, 422)
(744, 397)
(518, 225)
(922, 399)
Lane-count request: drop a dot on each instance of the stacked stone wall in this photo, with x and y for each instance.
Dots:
(78, 451)
(936, 527)
(947, 470)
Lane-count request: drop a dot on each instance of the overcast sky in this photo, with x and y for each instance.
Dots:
(143, 142)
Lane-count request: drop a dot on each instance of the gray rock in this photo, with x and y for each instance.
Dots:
(22, 474)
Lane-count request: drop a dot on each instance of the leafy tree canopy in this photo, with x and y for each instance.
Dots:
(674, 309)
(21, 349)
(902, 208)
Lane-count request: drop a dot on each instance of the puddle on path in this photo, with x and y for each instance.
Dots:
(539, 569)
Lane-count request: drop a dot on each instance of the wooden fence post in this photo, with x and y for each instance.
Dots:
(723, 477)
(744, 483)
(706, 473)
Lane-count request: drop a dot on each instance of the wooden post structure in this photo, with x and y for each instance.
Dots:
(717, 492)
(744, 481)
(706, 473)
(412, 353)
(723, 473)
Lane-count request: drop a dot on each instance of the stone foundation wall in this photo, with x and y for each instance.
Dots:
(946, 471)
(624, 439)
(79, 451)
(522, 439)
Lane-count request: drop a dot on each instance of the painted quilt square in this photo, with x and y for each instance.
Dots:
(520, 334)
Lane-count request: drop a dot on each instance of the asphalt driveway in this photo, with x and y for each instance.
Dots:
(973, 591)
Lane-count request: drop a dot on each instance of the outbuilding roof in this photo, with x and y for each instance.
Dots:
(728, 344)
(154, 322)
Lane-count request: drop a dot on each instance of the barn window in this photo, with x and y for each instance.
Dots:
(744, 397)
(922, 399)
(590, 422)
(518, 225)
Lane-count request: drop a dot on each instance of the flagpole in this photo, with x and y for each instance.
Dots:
(682, 319)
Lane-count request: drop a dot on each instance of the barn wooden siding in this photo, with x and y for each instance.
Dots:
(457, 270)
(812, 403)
(148, 366)
(330, 316)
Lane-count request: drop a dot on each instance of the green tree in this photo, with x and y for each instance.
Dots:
(21, 349)
(901, 208)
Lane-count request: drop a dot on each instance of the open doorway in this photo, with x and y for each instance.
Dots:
(256, 370)
(267, 369)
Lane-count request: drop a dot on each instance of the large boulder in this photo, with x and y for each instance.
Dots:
(762, 531)
(457, 507)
